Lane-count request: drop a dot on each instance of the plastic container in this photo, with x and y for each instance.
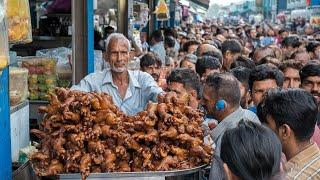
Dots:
(4, 47)
(19, 22)
(18, 88)
(42, 76)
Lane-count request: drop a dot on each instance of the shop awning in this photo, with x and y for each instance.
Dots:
(184, 3)
(203, 3)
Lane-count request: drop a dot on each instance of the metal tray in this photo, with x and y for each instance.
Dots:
(131, 175)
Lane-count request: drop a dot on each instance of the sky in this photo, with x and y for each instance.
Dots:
(224, 2)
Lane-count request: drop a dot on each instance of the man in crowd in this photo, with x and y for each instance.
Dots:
(185, 83)
(313, 49)
(191, 46)
(242, 74)
(130, 90)
(158, 45)
(292, 115)
(231, 50)
(290, 45)
(291, 69)
(262, 78)
(221, 99)
(301, 56)
(151, 64)
(189, 61)
(207, 65)
(310, 81)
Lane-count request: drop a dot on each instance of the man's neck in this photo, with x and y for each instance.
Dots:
(228, 112)
(297, 148)
(122, 77)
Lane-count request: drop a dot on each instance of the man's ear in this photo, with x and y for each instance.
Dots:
(285, 132)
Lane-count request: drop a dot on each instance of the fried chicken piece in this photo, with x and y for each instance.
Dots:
(179, 152)
(111, 119)
(198, 151)
(170, 133)
(124, 166)
(40, 134)
(162, 111)
(39, 156)
(152, 110)
(110, 158)
(181, 129)
(95, 104)
(96, 169)
(105, 131)
(98, 159)
(55, 168)
(167, 163)
(95, 147)
(85, 164)
(73, 117)
(137, 163)
(152, 135)
(72, 166)
(58, 145)
(77, 138)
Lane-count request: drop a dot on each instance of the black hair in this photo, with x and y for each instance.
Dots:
(207, 62)
(225, 86)
(231, 45)
(243, 62)
(216, 54)
(312, 45)
(295, 107)
(157, 35)
(170, 41)
(170, 32)
(185, 76)
(264, 72)
(149, 59)
(292, 41)
(282, 31)
(310, 69)
(188, 44)
(294, 64)
(242, 74)
(251, 151)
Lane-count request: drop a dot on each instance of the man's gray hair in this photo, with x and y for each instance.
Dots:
(117, 36)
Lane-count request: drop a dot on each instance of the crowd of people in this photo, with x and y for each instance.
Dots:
(258, 86)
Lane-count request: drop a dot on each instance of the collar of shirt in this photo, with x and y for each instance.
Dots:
(304, 157)
(132, 79)
(226, 123)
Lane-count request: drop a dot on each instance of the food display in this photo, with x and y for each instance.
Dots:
(19, 22)
(18, 86)
(86, 133)
(42, 76)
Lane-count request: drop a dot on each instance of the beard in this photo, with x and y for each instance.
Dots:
(155, 76)
(118, 69)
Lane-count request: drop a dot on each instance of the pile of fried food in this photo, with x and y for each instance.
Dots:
(86, 133)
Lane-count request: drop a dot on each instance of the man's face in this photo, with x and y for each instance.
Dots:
(192, 49)
(179, 89)
(291, 78)
(312, 85)
(253, 33)
(260, 87)
(153, 70)
(304, 58)
(229, 59)
(284, 34)
(118, 55)
(288, 51)
(208, 101)
(190, 65)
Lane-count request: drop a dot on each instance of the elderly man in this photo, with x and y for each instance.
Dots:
(130, 90)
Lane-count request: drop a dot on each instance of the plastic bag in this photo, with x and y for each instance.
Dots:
(62, 54)
(4, 47)
(19, 22)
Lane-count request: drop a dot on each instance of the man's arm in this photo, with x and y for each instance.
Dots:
(84, 86)
(150, 87)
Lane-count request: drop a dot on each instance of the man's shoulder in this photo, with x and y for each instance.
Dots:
(250, 116)
(140, 75)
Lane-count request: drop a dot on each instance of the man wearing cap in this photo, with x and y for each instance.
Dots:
(189, 62)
